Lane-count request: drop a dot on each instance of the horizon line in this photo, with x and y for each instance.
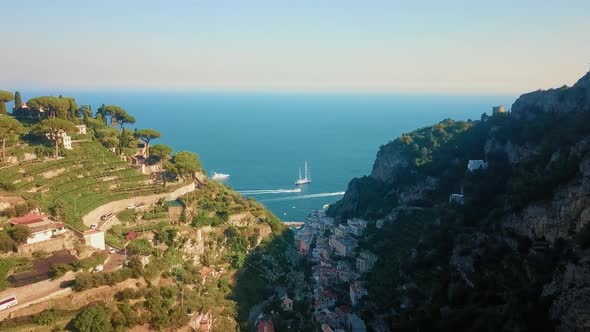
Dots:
(358, 92)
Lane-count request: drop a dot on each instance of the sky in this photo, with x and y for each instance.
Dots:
(389, 46)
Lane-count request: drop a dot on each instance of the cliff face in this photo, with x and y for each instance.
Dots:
(564, 99)
(390, 162)
(565, 213)
(380, 186)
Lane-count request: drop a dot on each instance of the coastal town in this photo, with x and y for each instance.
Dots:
(338, 267)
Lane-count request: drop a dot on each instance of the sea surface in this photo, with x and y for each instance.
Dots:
(262, 139)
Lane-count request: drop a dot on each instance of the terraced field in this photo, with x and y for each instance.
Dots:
(87, 177)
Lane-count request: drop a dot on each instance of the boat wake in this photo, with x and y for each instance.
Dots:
(268, 191)
(293, 198)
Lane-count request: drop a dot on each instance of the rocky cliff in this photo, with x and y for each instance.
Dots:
(514, 255)
(564, 99)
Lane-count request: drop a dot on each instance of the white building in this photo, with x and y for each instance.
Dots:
(341, 230)
(356, 324)
(66, 140)
(357, 226)
(42, 227)
(357, 291)
(63, 138)
(95, 239)
(456, 198)
(342, 246)
(81, 129)
(474, 165)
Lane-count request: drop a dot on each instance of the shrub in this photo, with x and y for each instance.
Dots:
(93, 319)
(140, 246)
(126, 215)
(47, 317)
(6, 242)
(155, 215)
(90, 262)
(58, 270)
(19, 233)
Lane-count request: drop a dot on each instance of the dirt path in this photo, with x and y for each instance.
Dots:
(93, 217)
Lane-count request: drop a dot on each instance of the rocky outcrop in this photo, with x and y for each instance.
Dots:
(564, 99)
(417, 192)
(242, 219)
(571, 291)
(566, 212)
(389, 163)
(514, 152)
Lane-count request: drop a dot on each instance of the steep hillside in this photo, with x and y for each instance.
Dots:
(513, 255)
(208, 255)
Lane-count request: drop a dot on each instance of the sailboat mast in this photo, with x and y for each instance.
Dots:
(306, 169)
(299, 173)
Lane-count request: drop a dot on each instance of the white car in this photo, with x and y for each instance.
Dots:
(131, 206)
(93, 226)
(112, 251)
(98, 268)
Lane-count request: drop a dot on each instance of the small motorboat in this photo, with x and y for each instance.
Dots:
(219, 176)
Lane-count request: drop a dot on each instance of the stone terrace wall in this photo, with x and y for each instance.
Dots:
(93, 217)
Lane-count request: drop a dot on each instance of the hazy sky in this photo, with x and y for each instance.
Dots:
(461, 46)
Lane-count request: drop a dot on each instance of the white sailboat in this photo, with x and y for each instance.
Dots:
(303, 180)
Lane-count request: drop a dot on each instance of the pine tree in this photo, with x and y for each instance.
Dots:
(5, 97)
(18, 102)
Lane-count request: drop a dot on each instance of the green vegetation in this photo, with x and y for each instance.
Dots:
(10, 265)
(140, 246)
(146, 136)
(217, 280)
(53, 127)
(9, 127)
(54, 107)
(126, 215)
(18, 102)
(5, 97)
(85, 178)
(11, 236)
(160, 152)
(87, 280)
(505, 284)
(116, 115)
(93, 319)
(391, 244)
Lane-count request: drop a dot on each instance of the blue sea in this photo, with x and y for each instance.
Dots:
(262, 139)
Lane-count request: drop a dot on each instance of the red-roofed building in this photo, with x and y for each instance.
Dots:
(265, 326)
(41, 226)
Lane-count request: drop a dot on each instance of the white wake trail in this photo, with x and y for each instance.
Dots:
(269, 191)
(293, 198)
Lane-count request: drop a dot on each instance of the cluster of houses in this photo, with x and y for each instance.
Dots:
(333, 251)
